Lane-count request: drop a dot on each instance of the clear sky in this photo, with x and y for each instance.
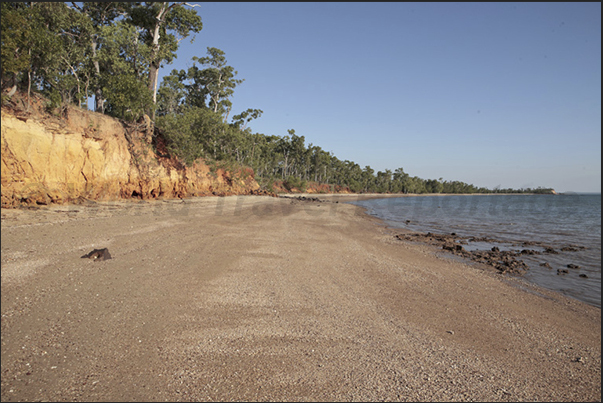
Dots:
(491, 94)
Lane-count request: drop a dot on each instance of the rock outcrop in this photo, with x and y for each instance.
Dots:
(86, 155)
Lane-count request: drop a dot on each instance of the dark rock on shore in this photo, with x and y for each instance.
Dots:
(453, 247)
(503, 261)
(306, 199)
(572, 248)
(98, 255)
(529, 252)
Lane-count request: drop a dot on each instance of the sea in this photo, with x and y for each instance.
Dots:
(562, 220)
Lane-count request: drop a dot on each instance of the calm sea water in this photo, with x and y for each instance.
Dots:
(556, 220)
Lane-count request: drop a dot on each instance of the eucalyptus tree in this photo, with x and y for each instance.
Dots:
(368, 179)
(284, 147)
(213, 85)
(122, 60)
(100, 14)
(399, 181)
(18, 37)
(242, 120)
(245, 141)
(321, 160)
(162, 26)
(297, 150)
(353, 176)
(172, 93)
(59, 52)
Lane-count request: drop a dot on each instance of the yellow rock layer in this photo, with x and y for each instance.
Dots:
(93, 156)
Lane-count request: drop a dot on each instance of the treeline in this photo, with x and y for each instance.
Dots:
(112, 53)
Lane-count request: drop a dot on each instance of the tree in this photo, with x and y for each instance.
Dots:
(17, 39)
(383, 181)
(171, 93)
(217, 82)
(122, 61)
(245, 117)
(44, 41)
(193, 134)
(100, 14)
(368, 178)
(163, 25)
(58, 57)
(399, 181)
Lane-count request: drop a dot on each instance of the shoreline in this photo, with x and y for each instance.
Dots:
(262, 298)
(325, 196)
(367, 196)
(508, 259)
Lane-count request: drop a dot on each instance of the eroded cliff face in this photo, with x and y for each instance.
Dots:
(87, 155)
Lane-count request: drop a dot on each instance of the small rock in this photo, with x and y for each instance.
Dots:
(528, 252)
(573, 266)
(98, 255)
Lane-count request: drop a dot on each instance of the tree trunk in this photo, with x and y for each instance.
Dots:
(14, 87)
(99, 102)
(154, 65)
(153, 78)
(28, 87)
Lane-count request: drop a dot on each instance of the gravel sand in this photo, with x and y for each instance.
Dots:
(262, 298)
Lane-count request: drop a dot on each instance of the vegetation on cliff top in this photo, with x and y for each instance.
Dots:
(112, 52)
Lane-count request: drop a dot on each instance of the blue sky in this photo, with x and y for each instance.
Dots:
(492, 94)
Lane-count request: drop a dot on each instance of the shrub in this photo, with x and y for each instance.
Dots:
(294, 182)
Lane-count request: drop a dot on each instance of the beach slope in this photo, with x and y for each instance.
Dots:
(263, 298)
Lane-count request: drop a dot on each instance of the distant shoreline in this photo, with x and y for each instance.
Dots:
(366, 196)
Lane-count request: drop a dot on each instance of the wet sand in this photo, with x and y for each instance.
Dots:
(262, 298)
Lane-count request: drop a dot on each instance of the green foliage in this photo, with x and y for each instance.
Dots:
(269, 185)
(127, 97)
(102, 16)
(17, 40)
(217, 81)
(58, 56)
(171, 94)
(123, 82)
(69, 51)
(42, 49)
(193, 134)
(240, 121)
(162, 26)
(294, 182)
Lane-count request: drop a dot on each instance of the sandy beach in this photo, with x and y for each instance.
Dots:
(256, 298)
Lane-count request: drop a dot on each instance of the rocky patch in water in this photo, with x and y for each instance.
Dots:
(505, 261)
(295, 199)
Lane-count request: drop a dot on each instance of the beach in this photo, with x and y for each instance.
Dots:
(258, 298)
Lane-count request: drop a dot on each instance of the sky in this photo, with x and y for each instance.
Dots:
(491, 94)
